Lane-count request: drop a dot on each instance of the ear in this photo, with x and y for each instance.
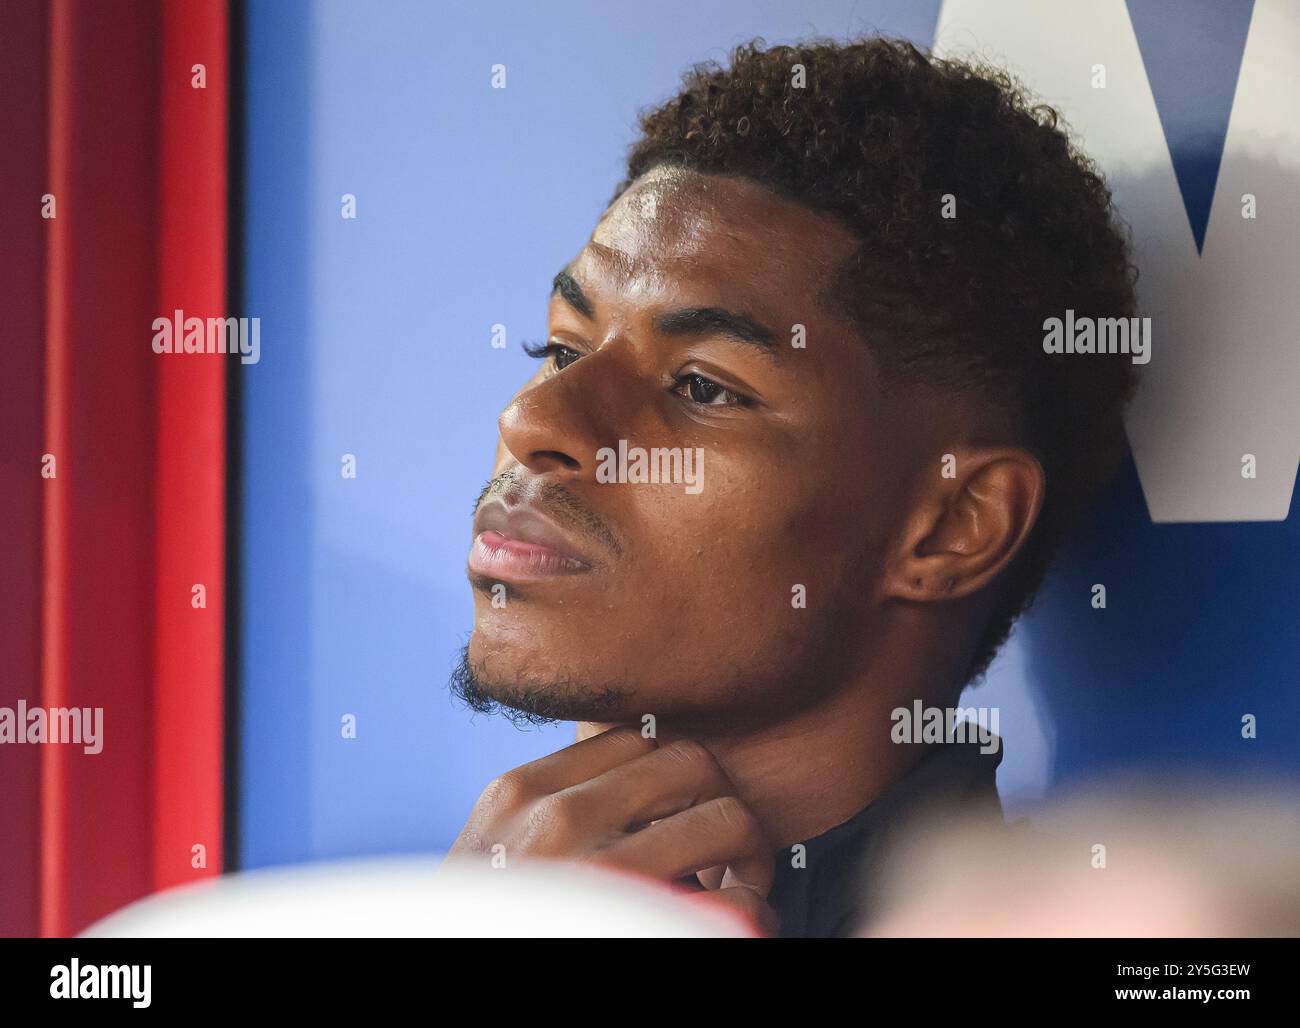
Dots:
(964, 530)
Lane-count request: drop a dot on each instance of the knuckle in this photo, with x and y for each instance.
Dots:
(625, 733)
(626, 737)
(689, 752)
(735, 815)
(503, 792)
(554, 817)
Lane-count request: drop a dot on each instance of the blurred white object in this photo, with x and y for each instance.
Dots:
(420, 897)
(1127, 856)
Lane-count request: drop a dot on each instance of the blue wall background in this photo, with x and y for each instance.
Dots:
(376, 342)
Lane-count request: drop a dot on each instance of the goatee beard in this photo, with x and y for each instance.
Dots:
(524, 705)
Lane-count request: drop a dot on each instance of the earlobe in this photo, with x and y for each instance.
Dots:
(967, 529)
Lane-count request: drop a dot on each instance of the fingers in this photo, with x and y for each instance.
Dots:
(574, 764)
(743, 901)
(655, 785)
(718, 831)
(711, 877)
(619, 800)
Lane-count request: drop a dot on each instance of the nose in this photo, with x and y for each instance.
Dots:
(560, 423)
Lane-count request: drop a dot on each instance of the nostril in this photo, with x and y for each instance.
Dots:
(555, 457)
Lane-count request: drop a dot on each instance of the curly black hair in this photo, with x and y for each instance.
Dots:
(880, 135)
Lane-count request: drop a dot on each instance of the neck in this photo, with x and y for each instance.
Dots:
(816, 769)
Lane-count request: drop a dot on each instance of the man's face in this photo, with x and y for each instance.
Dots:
(746, 588)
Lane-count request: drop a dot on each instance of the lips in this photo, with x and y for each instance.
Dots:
(519, 544)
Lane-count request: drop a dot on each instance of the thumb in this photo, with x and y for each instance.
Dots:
(746, 902)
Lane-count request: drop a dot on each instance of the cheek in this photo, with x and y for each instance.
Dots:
(730, 563)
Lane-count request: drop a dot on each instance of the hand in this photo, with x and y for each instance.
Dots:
(621, 801)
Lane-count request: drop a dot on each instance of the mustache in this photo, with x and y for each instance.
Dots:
(558, 502)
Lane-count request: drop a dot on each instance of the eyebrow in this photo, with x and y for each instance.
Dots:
(687, 321)
(566, 286)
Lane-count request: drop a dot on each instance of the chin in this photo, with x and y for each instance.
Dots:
(518, 671)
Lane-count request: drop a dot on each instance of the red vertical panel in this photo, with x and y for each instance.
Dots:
(110, 548)
(100, 400)
(24, 47)
(191, 429)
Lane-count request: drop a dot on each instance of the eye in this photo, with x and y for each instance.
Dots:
(708, 393)
(563, 356)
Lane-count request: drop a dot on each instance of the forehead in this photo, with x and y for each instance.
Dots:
(678, 228)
